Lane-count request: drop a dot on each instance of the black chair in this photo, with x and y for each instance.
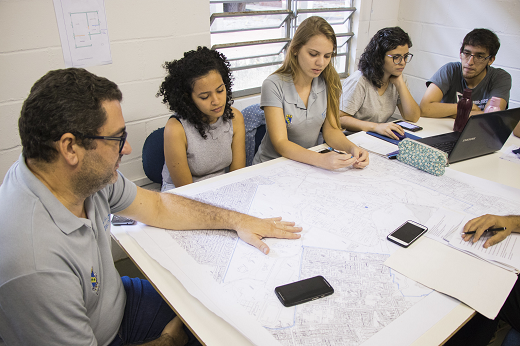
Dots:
(153, 155)
(254, 121)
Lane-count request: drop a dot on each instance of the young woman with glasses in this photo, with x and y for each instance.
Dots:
(301, 98)
(371, 94)
(205, 136)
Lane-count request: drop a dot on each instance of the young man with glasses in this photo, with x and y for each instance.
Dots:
(474, 71)
(371, 94)
(58, 283)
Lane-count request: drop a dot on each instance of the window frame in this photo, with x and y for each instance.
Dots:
(291, 16)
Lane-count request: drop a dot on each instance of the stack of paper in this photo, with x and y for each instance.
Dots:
(505, 254)
(479, 284)
(448, 231)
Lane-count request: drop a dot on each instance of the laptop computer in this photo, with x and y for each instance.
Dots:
(483, 134)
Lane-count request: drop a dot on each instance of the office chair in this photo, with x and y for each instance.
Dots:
(153, 155)
(254, 121)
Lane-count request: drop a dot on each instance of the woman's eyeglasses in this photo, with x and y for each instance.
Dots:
(398, 58)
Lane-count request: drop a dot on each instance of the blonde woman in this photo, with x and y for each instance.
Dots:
(301, 98)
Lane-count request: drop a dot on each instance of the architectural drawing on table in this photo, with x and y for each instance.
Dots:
(347, 246)
(368, 295)
(84, 25)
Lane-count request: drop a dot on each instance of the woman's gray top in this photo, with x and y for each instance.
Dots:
(206, 157)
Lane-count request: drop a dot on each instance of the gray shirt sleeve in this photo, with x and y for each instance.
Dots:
(500, 84)
(353, 96)
(121, 194)
(51, 309)
(444, 77)
(272, 94)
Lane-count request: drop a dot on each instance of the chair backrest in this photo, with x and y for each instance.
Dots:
(259, 135)
(153, 155)
(254, 121)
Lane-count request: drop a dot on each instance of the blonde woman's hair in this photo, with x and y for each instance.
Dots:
(310, 27)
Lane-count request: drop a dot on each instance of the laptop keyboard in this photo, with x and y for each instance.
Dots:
(447, 147)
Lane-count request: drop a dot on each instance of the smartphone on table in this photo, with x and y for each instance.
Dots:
(408, 126)
(407, 233)
(303, 291)
(121, 220)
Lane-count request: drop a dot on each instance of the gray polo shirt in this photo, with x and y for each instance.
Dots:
(361, 99)
(303, 123)
(58, 283)
(449, 79)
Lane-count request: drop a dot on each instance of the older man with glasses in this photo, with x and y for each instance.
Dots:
(474, 71)
(58, 283)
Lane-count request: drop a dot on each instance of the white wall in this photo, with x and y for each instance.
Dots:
(143, 35)
(371, 16)
(437, 28)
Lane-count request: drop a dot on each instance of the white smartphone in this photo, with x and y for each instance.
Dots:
(407, 233)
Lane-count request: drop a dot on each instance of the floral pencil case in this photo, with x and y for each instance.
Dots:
(422, 156)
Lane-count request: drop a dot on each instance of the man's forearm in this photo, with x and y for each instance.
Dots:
(513, 221)
(175, 212)
(181, 213)
(516, 131)
(438, 110)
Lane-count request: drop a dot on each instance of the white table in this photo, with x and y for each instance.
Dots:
(212, 330)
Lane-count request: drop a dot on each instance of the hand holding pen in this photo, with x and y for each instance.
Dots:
(337, 151)
(497, 229)
(493, 224)
(361, 156)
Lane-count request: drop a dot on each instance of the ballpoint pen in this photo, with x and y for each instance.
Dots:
(336, 151)
(498, 229)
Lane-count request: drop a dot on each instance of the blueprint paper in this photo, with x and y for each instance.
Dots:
(346, 216)
(82, 25)
(479, 284)
(160, 245)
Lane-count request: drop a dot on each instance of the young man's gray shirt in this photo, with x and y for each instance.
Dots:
(449, 79)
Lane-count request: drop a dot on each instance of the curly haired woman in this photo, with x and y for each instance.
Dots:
(205, 136)
(371, 94)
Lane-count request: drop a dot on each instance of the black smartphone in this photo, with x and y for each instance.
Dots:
(408, 126)
(407, 233)
(303, 291)
(121, 220)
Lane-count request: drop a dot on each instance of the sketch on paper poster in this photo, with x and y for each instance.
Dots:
(83, 32)
(348, 248)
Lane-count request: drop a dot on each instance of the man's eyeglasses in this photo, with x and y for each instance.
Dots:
(398, 58)
(121, 139)
(476, 58)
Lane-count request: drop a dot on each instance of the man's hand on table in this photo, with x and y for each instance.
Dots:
(253, 230)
